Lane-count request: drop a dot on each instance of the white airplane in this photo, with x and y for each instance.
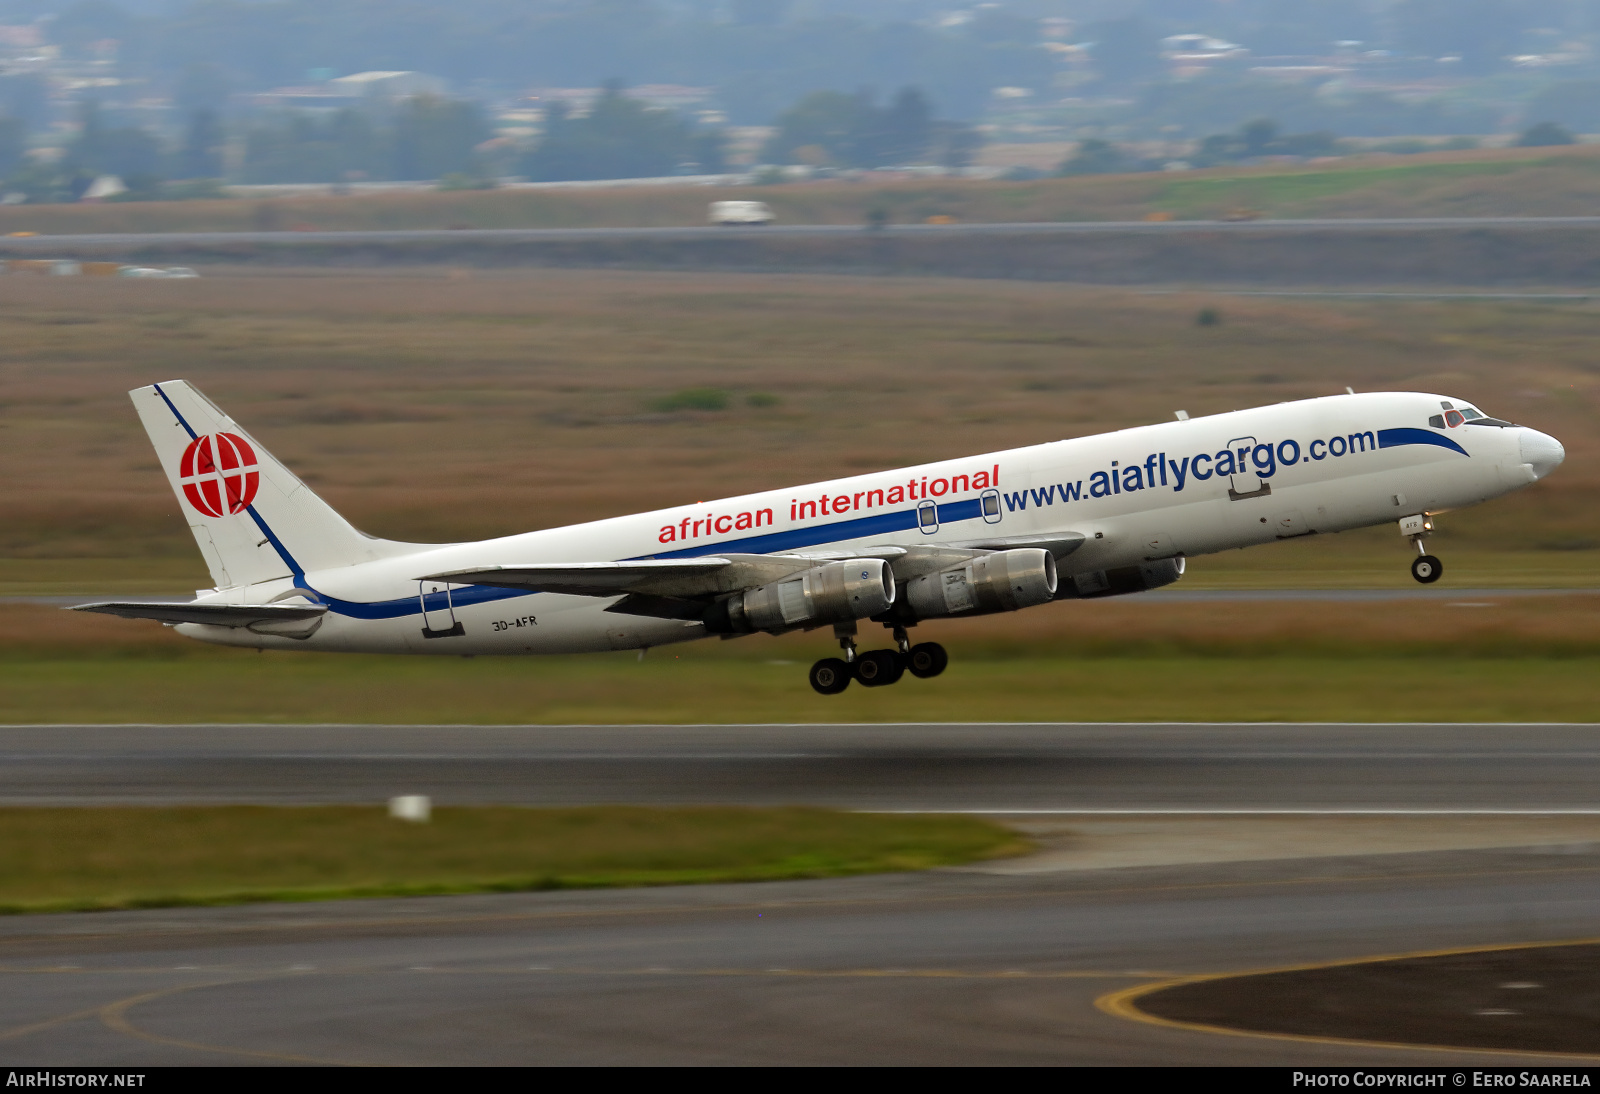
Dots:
(1075, 519)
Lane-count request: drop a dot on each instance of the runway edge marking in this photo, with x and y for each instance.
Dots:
(114, 1016)
(1122, 1002)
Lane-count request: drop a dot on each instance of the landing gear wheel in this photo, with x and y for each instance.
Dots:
(879, 668)
(830, 676)
(927, 659)
(1427, 569)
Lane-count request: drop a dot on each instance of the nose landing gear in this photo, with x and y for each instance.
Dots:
(1425, 567)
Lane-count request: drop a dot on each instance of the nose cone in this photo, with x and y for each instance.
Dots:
(1541, 452)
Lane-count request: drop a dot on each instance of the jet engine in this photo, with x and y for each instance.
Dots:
(1123, 579)
(1000, 582)
(832, 593)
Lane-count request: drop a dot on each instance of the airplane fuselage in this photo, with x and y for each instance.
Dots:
(1139, 497)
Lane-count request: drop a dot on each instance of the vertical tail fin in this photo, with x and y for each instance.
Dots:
(253, 519)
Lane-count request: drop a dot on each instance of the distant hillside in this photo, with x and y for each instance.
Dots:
(1508, 182)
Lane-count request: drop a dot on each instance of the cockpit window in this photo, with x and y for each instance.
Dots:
(1454, 416)
(1462, 415)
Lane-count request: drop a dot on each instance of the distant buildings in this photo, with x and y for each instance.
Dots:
(380, 87)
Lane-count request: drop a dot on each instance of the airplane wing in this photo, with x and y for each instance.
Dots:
(217, 615)
(670, 587)
(1060, 544)
(673, 577)
(588, 578)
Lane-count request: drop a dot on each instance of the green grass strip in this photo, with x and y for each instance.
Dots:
(58, 860)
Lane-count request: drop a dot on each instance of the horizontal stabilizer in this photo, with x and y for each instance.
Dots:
(216, 615)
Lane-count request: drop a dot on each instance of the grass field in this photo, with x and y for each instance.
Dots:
(94, 859)
(1480, 659)
(1502, 182)
(440, 408)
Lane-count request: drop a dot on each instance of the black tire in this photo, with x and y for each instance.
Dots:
(830, 676)
(927, 659)
(879, 668)
(1427, 569)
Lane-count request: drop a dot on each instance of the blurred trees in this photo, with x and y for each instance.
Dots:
(428, 138)
(201, 154)
(1545, 135)
(102, 150)
(434, 137)
(1258, 138)
(1251, 141)
(834, 129)
(1098, 157)
(1215, 103)
(619, 138)
(299, 148)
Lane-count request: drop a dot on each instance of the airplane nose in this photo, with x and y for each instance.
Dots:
(1541, 452)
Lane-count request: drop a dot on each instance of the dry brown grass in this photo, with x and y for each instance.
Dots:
(436, 409)
(1503, 182)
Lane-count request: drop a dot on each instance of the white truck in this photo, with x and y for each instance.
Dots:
(737, 213)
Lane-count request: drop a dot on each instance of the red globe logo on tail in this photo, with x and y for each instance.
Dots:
(218, 474)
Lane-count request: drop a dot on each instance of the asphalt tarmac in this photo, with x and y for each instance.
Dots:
(995, 768)
(1260, 846)
(949, 967)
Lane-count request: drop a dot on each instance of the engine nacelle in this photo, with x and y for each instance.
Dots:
(1000, 582)
(1123, 579)
(831, 593)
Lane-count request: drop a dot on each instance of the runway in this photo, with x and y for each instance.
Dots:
(938, 768)
(1262, 846)
(940, 968)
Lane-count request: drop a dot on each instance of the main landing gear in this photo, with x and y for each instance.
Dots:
(876, 668)
(1425, 567)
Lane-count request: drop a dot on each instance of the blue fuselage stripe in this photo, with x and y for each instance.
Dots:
(1395, 438)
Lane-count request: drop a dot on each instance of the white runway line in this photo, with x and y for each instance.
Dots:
(1169, 812)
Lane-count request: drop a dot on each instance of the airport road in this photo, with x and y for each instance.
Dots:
(994, 963)
(949, 967)
(941, 767)
(55, 243)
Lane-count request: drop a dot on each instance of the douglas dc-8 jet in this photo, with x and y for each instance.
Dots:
(1067, 520)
